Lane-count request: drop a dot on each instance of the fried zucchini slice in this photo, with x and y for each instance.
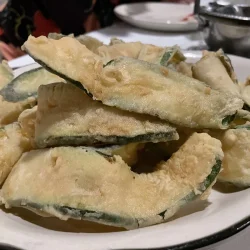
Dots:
(26, 84)
(148, 52)
(185, 68)
(137, 86)
(227, 63)
(20, 93)
(172, 56)
(115, 40)
(6, 74)
(9, 111)
(167, 57)
(27, 122)
(216, 70)
(165, 93)
(91, 43)
(145, 52)
(67, 116)
(151, 53)
(12, 145)
(75, 186)
(108, 53)
(58, 36)
(47, 50)
(236, 162)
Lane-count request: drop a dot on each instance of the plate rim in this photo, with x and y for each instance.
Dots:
(205, 241)
(187, 25)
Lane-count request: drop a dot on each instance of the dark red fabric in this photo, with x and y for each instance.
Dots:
(43, 26)
(20, 18)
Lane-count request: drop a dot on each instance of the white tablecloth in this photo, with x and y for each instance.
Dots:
(125, 32)
(129, 33)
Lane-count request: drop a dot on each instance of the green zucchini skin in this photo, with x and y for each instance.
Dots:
(226, 61)
(85, 192)
(167, 57)
(9, 93)
(246, 126)
(172, 55)
(100, 140)
(226, 121)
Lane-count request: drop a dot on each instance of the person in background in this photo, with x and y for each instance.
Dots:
(20, 18)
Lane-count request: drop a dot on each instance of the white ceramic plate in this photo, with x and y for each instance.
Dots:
(196, 225)
(157, 16)
(21, 62)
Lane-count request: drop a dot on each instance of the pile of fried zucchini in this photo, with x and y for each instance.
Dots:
(123, 134)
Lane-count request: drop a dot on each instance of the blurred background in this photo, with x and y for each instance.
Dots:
(20, 18)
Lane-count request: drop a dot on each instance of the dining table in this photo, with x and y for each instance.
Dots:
(187, 41)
